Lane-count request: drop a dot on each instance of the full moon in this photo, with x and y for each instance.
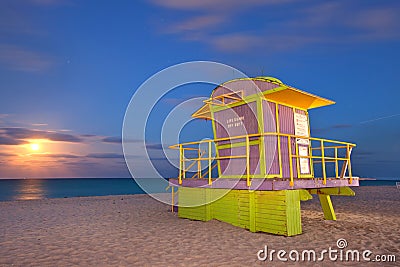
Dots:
(35, 147)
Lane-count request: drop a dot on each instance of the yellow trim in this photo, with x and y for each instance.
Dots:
(199, 163)
(323, 161)
(278, 130)
(264, 79)
(203, 113)
(180, 164)
(248, 161)
(261, 129)
(336, 164)
(246, 100)
(238, 144)
(215, 138)
(209, 163)
(309, 146)
(252, 176)
(268, 133)
(349, 164)
(223, 96)
(290, 161)
(296, 145)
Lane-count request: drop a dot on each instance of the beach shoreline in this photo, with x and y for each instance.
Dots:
(132, 230)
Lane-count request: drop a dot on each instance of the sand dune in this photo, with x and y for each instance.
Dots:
(136, 230)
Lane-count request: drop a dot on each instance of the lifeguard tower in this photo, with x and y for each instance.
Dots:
(262, 161)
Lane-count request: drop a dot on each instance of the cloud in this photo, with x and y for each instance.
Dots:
(341, 126)
(74, 156)
(112, 139)
(17, 22)
(154, 146)
(3, 154)
(17, 135)
(105, 156)
(88, 135)
(118, 140)
(22, 59)
(14, 19)
(50, 2)
(331, 127)
(209, 17)
(62, 137)
(210, 5)
(5, 140)
(196, 23)
(236, 42)
(50, 155)
(219, 24)
(378, 22)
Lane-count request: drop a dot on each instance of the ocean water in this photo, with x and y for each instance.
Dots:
(27, 189)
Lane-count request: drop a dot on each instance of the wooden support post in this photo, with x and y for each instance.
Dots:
(293, 213)
(327, 207)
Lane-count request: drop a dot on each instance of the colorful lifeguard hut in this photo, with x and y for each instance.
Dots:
(262, 161)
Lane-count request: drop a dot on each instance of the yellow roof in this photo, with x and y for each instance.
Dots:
(284, 94)
(297, 98)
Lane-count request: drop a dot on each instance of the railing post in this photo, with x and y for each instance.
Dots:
(349, 163)
(183, 163)
(248, 161)
(198, 163)
(209, 162)
(297, 158)
(336, 163)
(323, 161)
(180, 165)
(290, 161)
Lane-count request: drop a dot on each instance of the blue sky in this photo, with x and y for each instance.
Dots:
(69, 68)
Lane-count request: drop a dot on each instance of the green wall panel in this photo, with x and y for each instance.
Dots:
(276, 212)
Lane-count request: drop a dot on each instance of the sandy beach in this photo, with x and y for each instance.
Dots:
(136, 230)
